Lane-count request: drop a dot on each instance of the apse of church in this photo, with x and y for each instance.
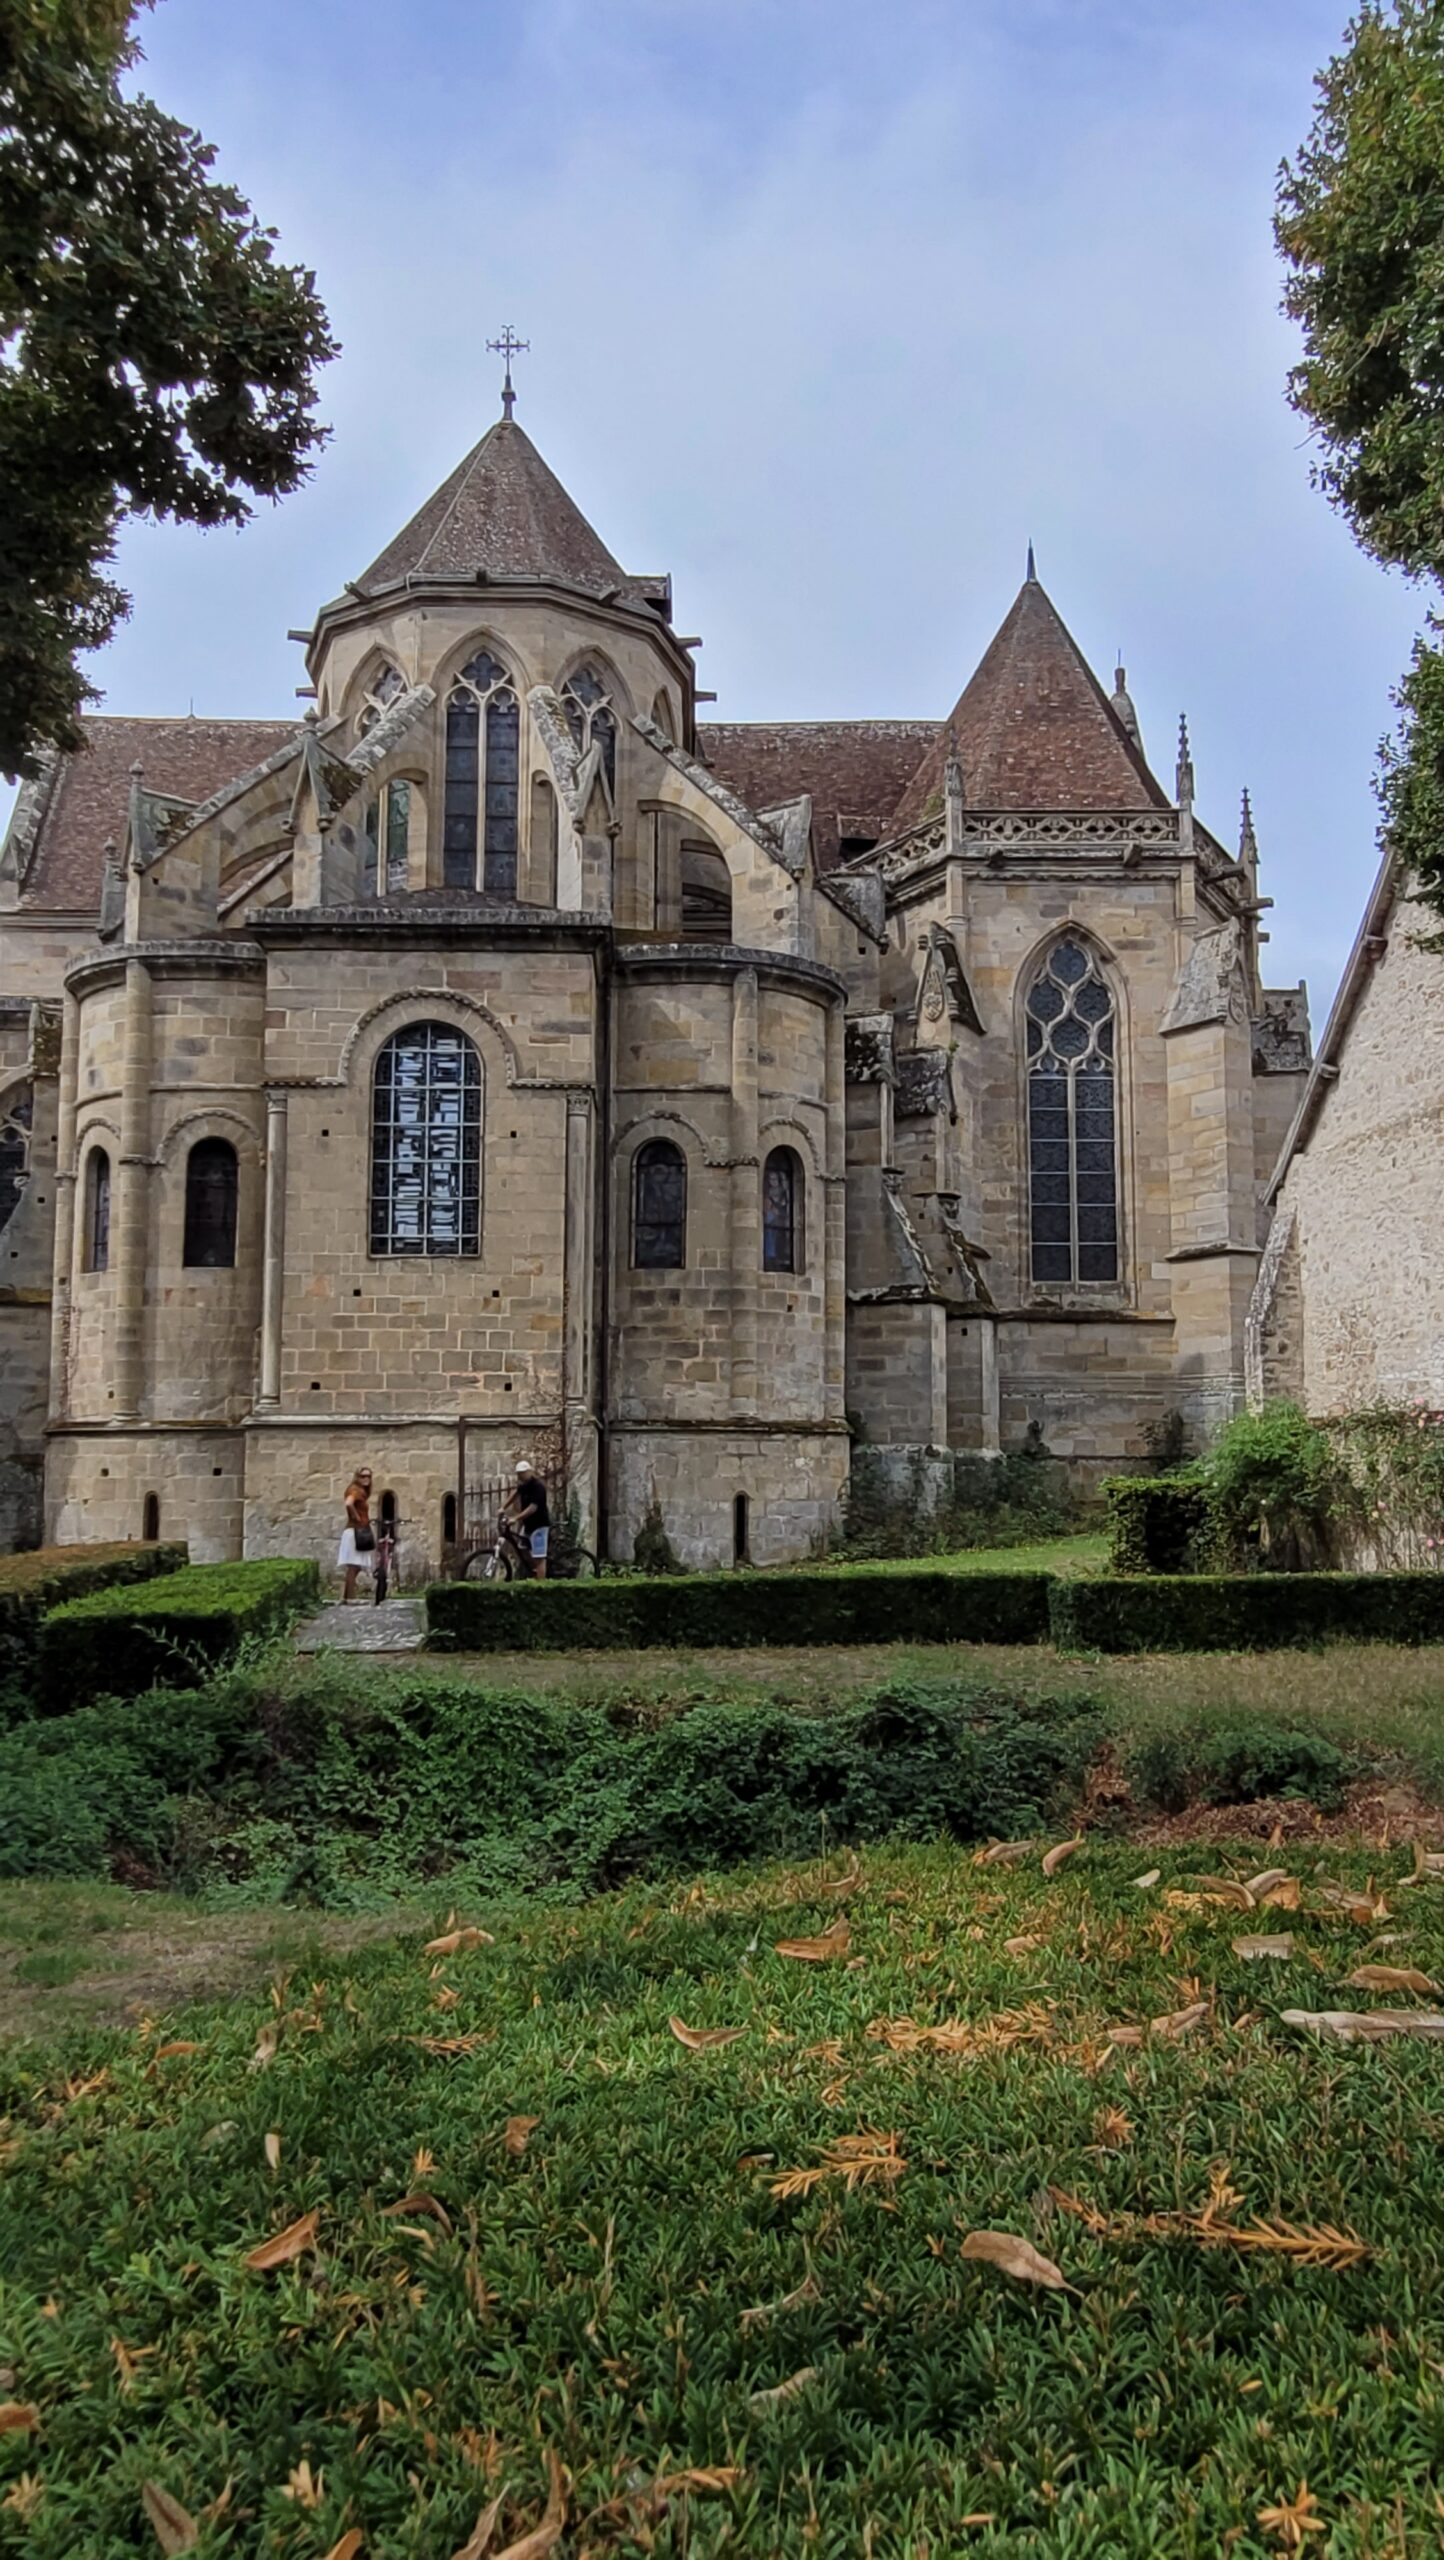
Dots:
(500, 1057)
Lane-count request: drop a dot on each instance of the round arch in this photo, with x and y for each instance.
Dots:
(423, 1004)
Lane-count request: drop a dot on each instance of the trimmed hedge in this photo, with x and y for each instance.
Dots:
(724, 1609)
(1158, 1524)
(1246, 1612)
(115, 1644)
(36, 1581)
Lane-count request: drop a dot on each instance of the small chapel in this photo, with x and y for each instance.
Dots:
(501, 1058)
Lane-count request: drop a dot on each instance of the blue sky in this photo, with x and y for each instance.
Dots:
(831, 308)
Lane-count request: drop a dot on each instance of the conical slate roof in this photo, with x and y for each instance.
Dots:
(503, 513)
(1034, 728)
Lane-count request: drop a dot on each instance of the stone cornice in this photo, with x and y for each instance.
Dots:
(207, 956)
(725, 960)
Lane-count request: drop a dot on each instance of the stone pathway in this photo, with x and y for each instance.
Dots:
(398, 1626)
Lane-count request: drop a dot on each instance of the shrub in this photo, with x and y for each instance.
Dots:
(1272, 1480)
(1255, 1612)
(652, 1549)
(32, 1583)
(1236, 1763)
(939, 1505)
(1158, 1524)
(116, 1643)
(741, 1609)
(1390, 1501)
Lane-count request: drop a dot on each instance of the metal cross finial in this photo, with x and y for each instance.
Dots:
(508, 345)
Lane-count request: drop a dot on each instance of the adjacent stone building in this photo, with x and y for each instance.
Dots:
(501, 1057)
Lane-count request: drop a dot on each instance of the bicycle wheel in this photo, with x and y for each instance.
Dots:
(488, 1564)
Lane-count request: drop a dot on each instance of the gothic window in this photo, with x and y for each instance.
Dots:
(15, 1118)
(212, 1188)
(1072, 1120)
(426, 1143)
(591, 718)
(96, 1253)
(387, 840)
(483, 747)
(782, 1211)
(659, 1207)
(381, 692)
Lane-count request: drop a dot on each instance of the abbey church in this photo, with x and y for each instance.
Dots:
(502, 1060)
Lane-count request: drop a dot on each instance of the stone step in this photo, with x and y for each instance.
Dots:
(397, 1626)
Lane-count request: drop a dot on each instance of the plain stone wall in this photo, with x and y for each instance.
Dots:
(1366, 1191)
(96, 1484)
(793, 1481)
(296, 1481)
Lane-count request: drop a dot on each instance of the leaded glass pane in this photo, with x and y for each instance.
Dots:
(370, 848)
(659, 1207)
(503, 737)
(1072, 1114)
(97, 1216)
(426, 1143)
(398, 833)
(14, 1152)
(211, 1201)
(781, 1184)
(458, 841)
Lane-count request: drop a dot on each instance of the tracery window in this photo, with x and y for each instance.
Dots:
(1072, 1120)
(96, 1250)
(387, 840)
(426, 1143)
(483, 748)
(591, 718)
(782, 1211)
(212, 1193)
(659, 1207)
(381, 692)
(15, 1119)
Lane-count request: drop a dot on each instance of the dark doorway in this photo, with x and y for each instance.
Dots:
(150, 1519)
(740, 1526)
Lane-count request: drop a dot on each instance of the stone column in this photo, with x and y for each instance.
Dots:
(131, 1238)
(578, 1262)
(65, 1211)
(989, 1396)
(835, 1211)
(746, 1223)
(273, 1253)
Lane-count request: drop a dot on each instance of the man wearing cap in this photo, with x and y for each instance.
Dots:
(528, 1508)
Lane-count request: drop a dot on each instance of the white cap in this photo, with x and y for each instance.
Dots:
(523, 1466)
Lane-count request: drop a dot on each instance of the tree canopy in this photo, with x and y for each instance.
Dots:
(156, 357)
(1360, 224)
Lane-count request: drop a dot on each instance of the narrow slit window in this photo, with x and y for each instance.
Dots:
(426, 1143)
(782, 1211)
(483, 765)
(1072, 1121)
(150, 1519)
(97, 1211)
(659, 1207)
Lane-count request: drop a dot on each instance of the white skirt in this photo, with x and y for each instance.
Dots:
(348, 1553)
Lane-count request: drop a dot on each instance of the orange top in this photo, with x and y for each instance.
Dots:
(358, 1505)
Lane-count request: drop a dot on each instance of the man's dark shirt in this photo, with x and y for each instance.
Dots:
(531, 1495)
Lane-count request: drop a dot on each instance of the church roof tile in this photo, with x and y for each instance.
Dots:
(89, 796)
(853, 770)
(503, 514)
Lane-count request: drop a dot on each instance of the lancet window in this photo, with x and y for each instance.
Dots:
(591, 718)
(386, 843)
(659, 1207)
(212, 1194)
(483, 748)
(1072, 1120)
(782, 1211)
(381, 692)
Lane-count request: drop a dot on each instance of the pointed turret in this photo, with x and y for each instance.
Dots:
(502, 514)
(1034, 728)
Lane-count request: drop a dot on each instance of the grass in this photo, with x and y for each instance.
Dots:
(1078, 1552)
(550, 2230)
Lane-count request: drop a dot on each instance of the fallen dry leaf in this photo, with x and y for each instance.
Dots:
(1266, 1880)
(1427, 1863)
(1293, 2518)
(478, 2541)
(273, 2150)
(420, 2202)
(1252, 1948)
(834, 1942)
(457, 1941)
(1145, 1884)
(1055, 1857)
(305, 2486)
(519, 2131)
(1364, 1908)
(1014, 2257)
(1179, 2022)
(859, 2159)
(544, 2536)
(450, 2045)
(1020, 1946)
(265, 2053)
(1004, 1853)
(1365, 2026)
(18, 2417)
(1225, 1889)
(703, 2039)
(781, 2391)
(348, 2546)
(808, 2291)
(128, 2360)
(1112, 2129)
(177, 2044)
(287, 2245)
(1388, 1977)
(1286, 1895)
(174, 2530)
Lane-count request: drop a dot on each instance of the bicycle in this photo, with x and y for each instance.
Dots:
(509, 1559)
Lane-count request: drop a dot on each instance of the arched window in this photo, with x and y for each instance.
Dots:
(483, 745)
(387, 840)
(591, 718)
(1072, 1120)
(659, 1207)
(543, 841)
(96, 1253)
(212, 1186)
(15, 1118)
(381, 692)
(782, 1211)
(706, 894)
(426, 1143)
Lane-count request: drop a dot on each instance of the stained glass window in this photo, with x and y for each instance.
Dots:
(15, 1117)
(1072, 1121)
(211, 1194)
(782, 1211)
(591, 718)
(426, 1143)
(659, 1207)
(387, 841)
(479, 827)
(97, 1211)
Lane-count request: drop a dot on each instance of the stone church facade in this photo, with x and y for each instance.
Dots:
(501, 1056)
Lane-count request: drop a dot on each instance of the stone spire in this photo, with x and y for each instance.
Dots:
(503, 514)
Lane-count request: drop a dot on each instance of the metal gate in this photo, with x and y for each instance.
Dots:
(481, 1496)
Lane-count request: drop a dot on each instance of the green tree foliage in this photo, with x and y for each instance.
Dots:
(1360, 223)
(155, 356)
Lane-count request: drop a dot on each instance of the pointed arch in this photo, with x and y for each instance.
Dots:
(482, 767)
(594, 704)
(1071, 1045)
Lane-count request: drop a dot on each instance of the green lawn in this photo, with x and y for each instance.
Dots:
(1085, 1552)
(543, 2228)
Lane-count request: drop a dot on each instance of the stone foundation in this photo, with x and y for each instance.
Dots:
(792, 1482)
